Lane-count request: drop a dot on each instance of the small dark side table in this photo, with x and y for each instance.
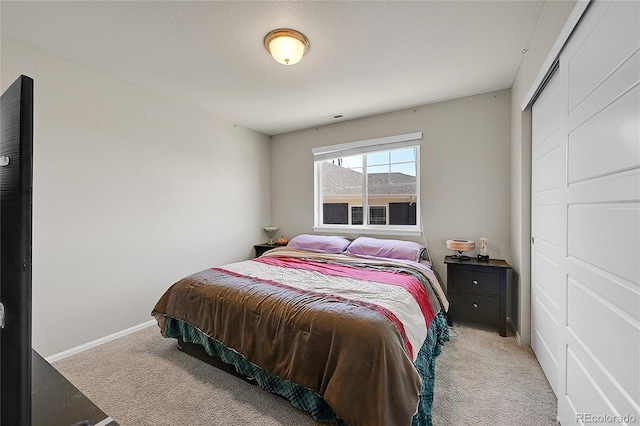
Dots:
(477, 291)
(261, 248)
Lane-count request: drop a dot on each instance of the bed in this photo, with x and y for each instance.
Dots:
(347, 331)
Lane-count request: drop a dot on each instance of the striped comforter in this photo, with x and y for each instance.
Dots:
(347, 328)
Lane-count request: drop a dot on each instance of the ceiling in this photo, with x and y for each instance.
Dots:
(365, 57)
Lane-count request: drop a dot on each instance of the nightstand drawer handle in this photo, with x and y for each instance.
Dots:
(475, 282)
(475, 305)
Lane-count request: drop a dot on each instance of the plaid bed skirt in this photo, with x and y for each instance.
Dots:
(306, 399)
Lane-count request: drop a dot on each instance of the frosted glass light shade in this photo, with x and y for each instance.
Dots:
(286, 46)
(271, 233)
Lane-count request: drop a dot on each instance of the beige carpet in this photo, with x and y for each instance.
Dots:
(485, 379)
(142, 379)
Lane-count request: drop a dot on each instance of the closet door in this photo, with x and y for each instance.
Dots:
(547, 190)
(601, 64)
(595, 214)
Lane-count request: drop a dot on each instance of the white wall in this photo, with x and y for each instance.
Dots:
(465, 169)
(551, 20)
(132, 191)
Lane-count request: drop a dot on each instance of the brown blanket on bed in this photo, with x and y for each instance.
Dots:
(350, 355)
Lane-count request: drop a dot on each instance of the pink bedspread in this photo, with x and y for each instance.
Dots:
(405, 281)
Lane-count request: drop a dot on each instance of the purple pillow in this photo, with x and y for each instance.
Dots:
(394, 249)
(320, 243)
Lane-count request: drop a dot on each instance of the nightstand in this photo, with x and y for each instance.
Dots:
(477, 291)
(261, 248)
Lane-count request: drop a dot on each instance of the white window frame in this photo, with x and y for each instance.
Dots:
(361, 147)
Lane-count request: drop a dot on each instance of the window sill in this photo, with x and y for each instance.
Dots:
(368, 230)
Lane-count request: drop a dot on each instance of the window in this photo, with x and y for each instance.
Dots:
(335, 213)
(356, 215)
(370, 185)
(402, 214)
(378, 215)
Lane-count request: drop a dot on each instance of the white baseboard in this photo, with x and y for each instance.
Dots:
(99, 341)
(513, 328)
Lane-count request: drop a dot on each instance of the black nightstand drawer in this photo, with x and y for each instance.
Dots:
(475, 307)
(477, 282)
(477, 290)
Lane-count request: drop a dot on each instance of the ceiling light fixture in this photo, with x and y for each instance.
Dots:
(286, 46)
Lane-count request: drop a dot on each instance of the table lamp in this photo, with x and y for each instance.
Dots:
(460, 246)
(271, 233)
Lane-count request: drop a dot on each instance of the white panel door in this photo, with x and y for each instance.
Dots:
(591, 273)
(547, 190)
(601, 65)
